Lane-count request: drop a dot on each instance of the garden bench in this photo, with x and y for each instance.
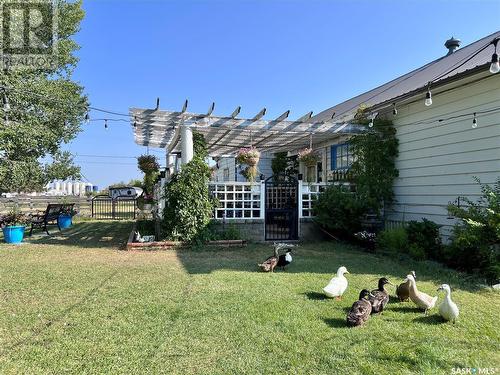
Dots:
(49, 217)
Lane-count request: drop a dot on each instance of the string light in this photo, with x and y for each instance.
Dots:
(105, 123)
(87, 117)
(428, 96)
(394, 109)
(474, 121)
(370, 125)
(135, 121)
(495, 64)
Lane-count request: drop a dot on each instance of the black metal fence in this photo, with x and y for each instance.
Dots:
(103, 207)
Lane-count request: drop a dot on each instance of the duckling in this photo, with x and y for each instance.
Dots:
(379, 297)
(270, 263)
(360, 310)
(337, 285)
(403, 290)
(422, 300)
(448, 309)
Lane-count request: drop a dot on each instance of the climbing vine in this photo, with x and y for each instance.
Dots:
(374, 167)
(188, 203)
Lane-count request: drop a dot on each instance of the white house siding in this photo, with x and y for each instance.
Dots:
(437, 161)
(229, 163)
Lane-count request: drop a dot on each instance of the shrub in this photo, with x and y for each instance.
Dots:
(188, 203)
(424, 235)
(476, 239)
(416, 252)
(339, 211)
(393, 240)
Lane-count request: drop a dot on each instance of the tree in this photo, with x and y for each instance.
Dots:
(46, 111)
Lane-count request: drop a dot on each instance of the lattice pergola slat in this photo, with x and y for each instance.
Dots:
(225, 135)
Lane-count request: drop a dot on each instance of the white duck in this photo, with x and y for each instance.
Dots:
(448, 309)
(422, 300)
(337, 286)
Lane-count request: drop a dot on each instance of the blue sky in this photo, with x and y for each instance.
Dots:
(297, 55)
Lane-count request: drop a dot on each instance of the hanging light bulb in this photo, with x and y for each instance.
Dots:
(135, 121)
(394, 109)
(370, 125)
(495, 64)
(474, 121)
(87, 117)
(428, 98)
(105, 123)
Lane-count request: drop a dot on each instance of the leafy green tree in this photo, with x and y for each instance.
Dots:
(188, 203)
(46, 111)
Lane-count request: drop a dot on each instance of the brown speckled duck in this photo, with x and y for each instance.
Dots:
(403, 290)
(360, 310)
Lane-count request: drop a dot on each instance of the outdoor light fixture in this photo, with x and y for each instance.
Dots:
(394, 109)
(495, 65)
(135, 121)
(87, 117)
(428, 98)
(474, 121)
(370, 125)
(105, 123)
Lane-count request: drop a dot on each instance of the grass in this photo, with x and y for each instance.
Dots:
(75, 303)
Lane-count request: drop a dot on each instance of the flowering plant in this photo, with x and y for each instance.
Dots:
(248, 155)
(365, 236)
(308, 157)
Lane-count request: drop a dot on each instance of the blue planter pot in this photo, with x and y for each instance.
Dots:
(13, 234)
(64, 221)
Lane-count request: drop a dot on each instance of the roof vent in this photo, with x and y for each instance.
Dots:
(452, 44)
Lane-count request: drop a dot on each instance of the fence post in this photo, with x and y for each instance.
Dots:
(299, 192)
(262, 199)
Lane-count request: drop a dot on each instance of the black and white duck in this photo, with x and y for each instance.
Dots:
(360, 310)
(285, 259)
(379, 297)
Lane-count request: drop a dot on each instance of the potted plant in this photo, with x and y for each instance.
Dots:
(13, 226)
(147, 202)
(148, 164)
(249, 156)
(308, 157)
(65, 219)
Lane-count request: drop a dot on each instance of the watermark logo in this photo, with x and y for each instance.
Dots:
(28, 34)
(474, 370)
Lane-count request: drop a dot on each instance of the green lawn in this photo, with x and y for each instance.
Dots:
(75, 303)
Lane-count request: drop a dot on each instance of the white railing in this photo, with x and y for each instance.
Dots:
(238, 200)
(308, 193)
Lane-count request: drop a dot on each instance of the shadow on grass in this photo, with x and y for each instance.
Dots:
(406, 309)
(335, 322)
(88, 234)
(430, 320)
(315, 296)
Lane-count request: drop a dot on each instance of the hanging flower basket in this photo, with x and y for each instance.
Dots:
(248, 155)
(148, 163)
(308, 157)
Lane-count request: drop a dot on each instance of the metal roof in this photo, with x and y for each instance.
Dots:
(477, 54)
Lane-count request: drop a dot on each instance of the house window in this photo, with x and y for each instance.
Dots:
(341, 157)
(226, 174)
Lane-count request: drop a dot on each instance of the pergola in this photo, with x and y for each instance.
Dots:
(172, 131)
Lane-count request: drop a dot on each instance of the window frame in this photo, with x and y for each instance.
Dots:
(334, 155)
